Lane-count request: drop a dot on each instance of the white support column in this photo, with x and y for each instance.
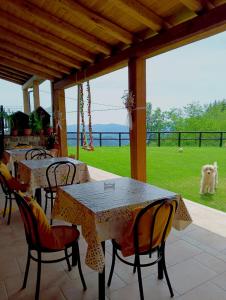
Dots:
(26, 99)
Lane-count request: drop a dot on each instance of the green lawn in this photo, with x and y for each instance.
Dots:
(168, 168)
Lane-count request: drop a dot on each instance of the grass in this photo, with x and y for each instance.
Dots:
(167, 168)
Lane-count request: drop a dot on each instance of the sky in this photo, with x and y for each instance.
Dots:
(196, 72)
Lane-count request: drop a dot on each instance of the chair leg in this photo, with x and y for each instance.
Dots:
(51, 220)
(67, 260)
(80, 268)
(46, 203)
(6, 202)
(74, 256)
(112, 265)
(160, 265)
(26, 270)
(139, 278)
(10, 210)
(166, 273)
(38, 277)
(134, 267)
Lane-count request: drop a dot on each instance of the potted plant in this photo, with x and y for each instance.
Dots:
(36, 123)
(28, 129)
(49, 130)
(11, 123)
(51, 141)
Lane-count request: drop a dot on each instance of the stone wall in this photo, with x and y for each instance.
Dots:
(33, 140)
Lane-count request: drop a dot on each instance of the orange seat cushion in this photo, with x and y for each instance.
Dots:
(51, 237)
(5, 171)
(126, 240)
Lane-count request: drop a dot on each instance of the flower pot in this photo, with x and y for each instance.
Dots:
(27, 131)
(49, 130)
(14, 132)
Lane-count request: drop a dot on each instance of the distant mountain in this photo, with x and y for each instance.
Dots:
(102, 128)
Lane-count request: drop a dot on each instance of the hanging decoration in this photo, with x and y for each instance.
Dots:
(81, 98)
(85, 145)
(128, 101)
(91, 147)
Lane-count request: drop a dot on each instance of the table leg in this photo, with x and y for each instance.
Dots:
(101, 279)
(160, 267)
(38, 196)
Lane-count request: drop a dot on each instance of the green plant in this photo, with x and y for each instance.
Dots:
(35, 122)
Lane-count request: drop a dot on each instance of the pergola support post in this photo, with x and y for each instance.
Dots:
(36, 94)
(59, 113)
(26, 100)
(137, 85)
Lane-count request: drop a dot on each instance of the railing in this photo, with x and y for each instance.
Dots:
(172, 138)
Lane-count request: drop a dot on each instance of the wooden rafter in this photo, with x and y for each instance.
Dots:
(32, 12)
(8, 78)
(24, 68)
(33, 57)
(13, 75)
(29, 63)
(198, 5)
(13, 71)
(142, 14)
(210, 23)
(35, 47)
(94, 19)
(34, 33)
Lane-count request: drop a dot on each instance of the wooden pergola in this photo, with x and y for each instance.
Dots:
(69, 42)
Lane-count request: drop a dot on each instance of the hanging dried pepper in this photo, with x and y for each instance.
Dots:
(84, 140)
(91, 147)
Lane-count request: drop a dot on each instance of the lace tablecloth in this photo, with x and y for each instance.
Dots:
(33, 172)
(16, 155)
(101, 208)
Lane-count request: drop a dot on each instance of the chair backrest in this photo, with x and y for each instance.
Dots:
(5, 187)
(32, 152)
(60, 173)
(30, 222)
(153, 224)
(43, 155)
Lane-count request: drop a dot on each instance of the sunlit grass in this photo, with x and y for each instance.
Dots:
(166, 167)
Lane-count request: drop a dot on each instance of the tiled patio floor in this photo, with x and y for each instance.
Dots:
(196, 259)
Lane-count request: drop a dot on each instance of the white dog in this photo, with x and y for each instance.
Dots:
(209, 179)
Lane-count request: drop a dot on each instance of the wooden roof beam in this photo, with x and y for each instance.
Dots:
(198, 6)
(33, 12)
(13, 71)
(24, 68)
(33, 56)
(94, 19)
(7, 78)
(200, 27)
(30, 82)
(13, 75)
(11, 22)
(35, 47)
(142, 14)
(28, 63)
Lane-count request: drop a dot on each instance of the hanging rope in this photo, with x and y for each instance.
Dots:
(84, 140)
(91, 147)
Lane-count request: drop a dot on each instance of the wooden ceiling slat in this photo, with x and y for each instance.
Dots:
(13, 75)
(142, 14)
(27, 62)
(32, 12)
(10, 79)
(35, 47)
(16, 72)
(193, 5)
(34, 33)
(198, 28)
(33, 56)
(24, 68)
(94, 19)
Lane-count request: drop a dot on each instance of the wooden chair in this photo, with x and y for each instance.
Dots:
(153, 237)
(67, 235)
(9, 197)
(54, 179)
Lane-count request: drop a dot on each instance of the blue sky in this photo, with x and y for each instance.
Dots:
(195, 72)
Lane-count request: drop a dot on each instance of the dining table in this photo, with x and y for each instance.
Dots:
(103, 207)
(16, 155)
(33, 173)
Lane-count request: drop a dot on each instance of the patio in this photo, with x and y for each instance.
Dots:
(196, 259)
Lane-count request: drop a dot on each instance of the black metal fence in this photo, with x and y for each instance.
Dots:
(163, 138)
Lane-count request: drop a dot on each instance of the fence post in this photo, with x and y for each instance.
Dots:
(100, 137)
(200, 139)
(120, 139)
(179, 139)
(159, 139)
(221, 139)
